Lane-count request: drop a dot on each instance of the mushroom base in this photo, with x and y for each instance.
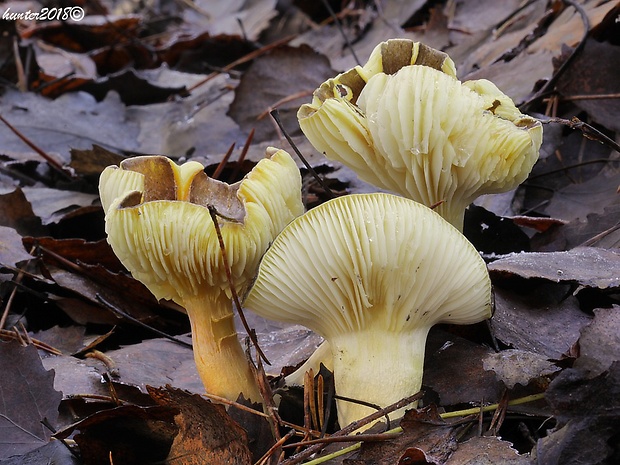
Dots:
(377, 367)
(220, 360)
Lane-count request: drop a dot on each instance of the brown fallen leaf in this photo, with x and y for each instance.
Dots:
(288, 76)
(16, 212)
(207, 435)
(129, 434)
(27, 398)
(593, 73)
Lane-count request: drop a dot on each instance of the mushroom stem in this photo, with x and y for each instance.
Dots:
(221, 362)
(361, 371)
(453, 211)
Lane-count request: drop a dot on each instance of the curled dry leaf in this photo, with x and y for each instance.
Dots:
(586, 266)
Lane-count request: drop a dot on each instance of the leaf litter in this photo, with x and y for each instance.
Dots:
(182, 86)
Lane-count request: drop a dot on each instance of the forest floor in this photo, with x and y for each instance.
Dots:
(95, 371)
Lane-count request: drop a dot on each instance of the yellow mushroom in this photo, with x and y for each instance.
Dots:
(159, 225)
(371, 273)
(403, 122)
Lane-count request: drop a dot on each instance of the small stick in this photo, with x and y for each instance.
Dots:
(249, 57)
(376, 437)
(499, 414)
(222, 164)
(232, 403)
(320, 405)
(9, 302)
(107, 361)
(114, 309)
(340, 28)
(312, 420)
(5, 333)
(276, 117)
(297, 458)
(552, 81)
(588, 131)
(251, 334)
(242, 155)
(279, 444)
(53, 163)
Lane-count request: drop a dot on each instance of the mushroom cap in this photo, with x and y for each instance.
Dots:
(371, 261)
(159, 225)
(404, 123)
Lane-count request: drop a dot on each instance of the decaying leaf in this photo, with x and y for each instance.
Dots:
(518, 366)
(78, 121)
(588, 412)
(599, 344)
(11, 250)
(16, 212)
(289, 75)
(128, 434)
(447, 354)
(586, 266)
(155, 362)
(206, 433)
(542, 320)
(593, 72)
(51, 205)
(487, 451)
(27, 398)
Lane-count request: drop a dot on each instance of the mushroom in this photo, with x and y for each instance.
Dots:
(159, 224)
(404, 123)
(371, 273)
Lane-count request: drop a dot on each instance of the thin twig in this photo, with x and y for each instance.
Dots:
(16, 281)
(297, 458)
(282, 101)
(5, 333)
(587, 130)
(503, 23)
(222, 164)
(460, 413)
(569, 98)
(332, 13)
(53, 163)
(278, 445)
(249, 331)
(22, 81)
(328, 191)
(232, 403)
(500, 414)
(249, 57)
(548, 86)
(242, 155)
(116, 310)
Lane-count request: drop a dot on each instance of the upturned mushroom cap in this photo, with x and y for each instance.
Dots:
(404, 123)
(371, 273)
(159, 225)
